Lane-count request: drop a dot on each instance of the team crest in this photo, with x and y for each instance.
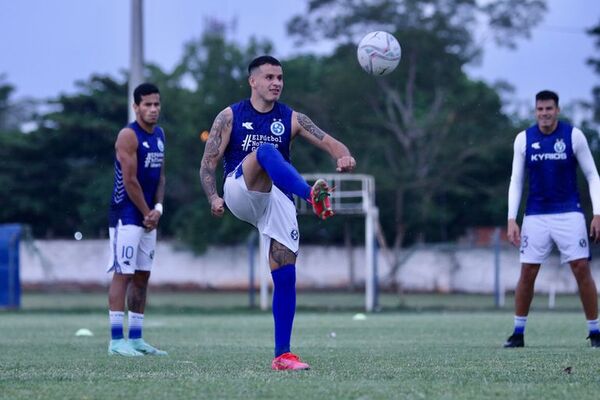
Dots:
(161, 145)
(277, 128)
(559, 146)
(294, 234)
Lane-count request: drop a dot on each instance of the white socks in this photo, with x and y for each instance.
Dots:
(593, 325)
(520, 323)
(136, 323)
(116, 324)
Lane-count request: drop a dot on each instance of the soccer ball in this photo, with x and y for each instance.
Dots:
(378, 53)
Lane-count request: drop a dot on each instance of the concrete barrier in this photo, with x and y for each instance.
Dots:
(425, 268)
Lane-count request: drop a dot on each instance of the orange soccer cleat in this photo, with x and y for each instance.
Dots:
(288, 361)
(319, 199)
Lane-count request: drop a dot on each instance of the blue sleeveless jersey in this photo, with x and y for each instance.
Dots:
(251, 128)
(552, 168)
(150, 155)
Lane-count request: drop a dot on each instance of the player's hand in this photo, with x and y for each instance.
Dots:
(217, 207)
(151, 220)
(513, 232)
(595, 229)
(345, 164)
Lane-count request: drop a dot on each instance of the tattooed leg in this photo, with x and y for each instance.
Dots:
(280, 255)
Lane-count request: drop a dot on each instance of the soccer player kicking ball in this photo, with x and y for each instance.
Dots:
(135, 209)
(550, 152)
(253, 138)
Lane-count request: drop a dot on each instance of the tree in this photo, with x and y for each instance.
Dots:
(594, 62)
(12, 113)
(436, 141)
(59, 177)
(215, 70)
(453, 20)
(438, 132)
(64, 168)
(5, 106)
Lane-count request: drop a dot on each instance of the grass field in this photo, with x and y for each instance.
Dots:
(426, 347)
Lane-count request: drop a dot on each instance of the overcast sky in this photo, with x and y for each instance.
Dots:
(47, 45)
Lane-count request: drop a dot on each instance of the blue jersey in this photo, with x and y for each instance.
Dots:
(150, 155)
(552, 169)
(251, 128)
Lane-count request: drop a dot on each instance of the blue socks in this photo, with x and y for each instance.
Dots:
(116, 324)
(281, 172)
(284, 306)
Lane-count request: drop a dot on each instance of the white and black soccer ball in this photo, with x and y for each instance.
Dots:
(378, 53)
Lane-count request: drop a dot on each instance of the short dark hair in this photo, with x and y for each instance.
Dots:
(262, 60)
(547, 95)
(144, 90)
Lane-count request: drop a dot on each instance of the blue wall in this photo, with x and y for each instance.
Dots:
(10, 285)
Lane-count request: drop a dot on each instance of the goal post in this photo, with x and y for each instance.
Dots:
(354, 194)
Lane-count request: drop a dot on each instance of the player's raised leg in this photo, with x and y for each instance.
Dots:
(267, 165)
(283, 270)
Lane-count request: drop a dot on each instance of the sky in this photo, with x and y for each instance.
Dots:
(48, 45)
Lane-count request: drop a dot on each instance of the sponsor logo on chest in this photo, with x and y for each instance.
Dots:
(559, 152)
(253, 140)
(154, 159)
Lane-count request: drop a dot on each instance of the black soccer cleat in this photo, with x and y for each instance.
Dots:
(594, 339)
(515, 340)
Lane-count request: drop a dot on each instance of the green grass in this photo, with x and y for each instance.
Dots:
(225, 353)
(218, 302)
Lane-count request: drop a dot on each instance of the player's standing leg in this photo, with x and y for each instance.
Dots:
(136, 303)
(589, 297)
(116, 306)
(523, 298)
(119, 237)
(283, 270)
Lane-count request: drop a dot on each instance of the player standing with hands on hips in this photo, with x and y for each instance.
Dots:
(550, 152)
(135, 209)
(253, 138)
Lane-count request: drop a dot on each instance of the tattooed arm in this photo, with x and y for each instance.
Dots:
(303, 126)
(218, 139)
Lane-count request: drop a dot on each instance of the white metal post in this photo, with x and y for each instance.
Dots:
(369, 261)
(136, 55)
(264, 273)
(369, 250)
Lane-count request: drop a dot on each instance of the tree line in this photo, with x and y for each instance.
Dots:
(438, 143)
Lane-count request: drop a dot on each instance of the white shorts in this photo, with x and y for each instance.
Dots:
(131, 249)
(567, 230)
(273, 213)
